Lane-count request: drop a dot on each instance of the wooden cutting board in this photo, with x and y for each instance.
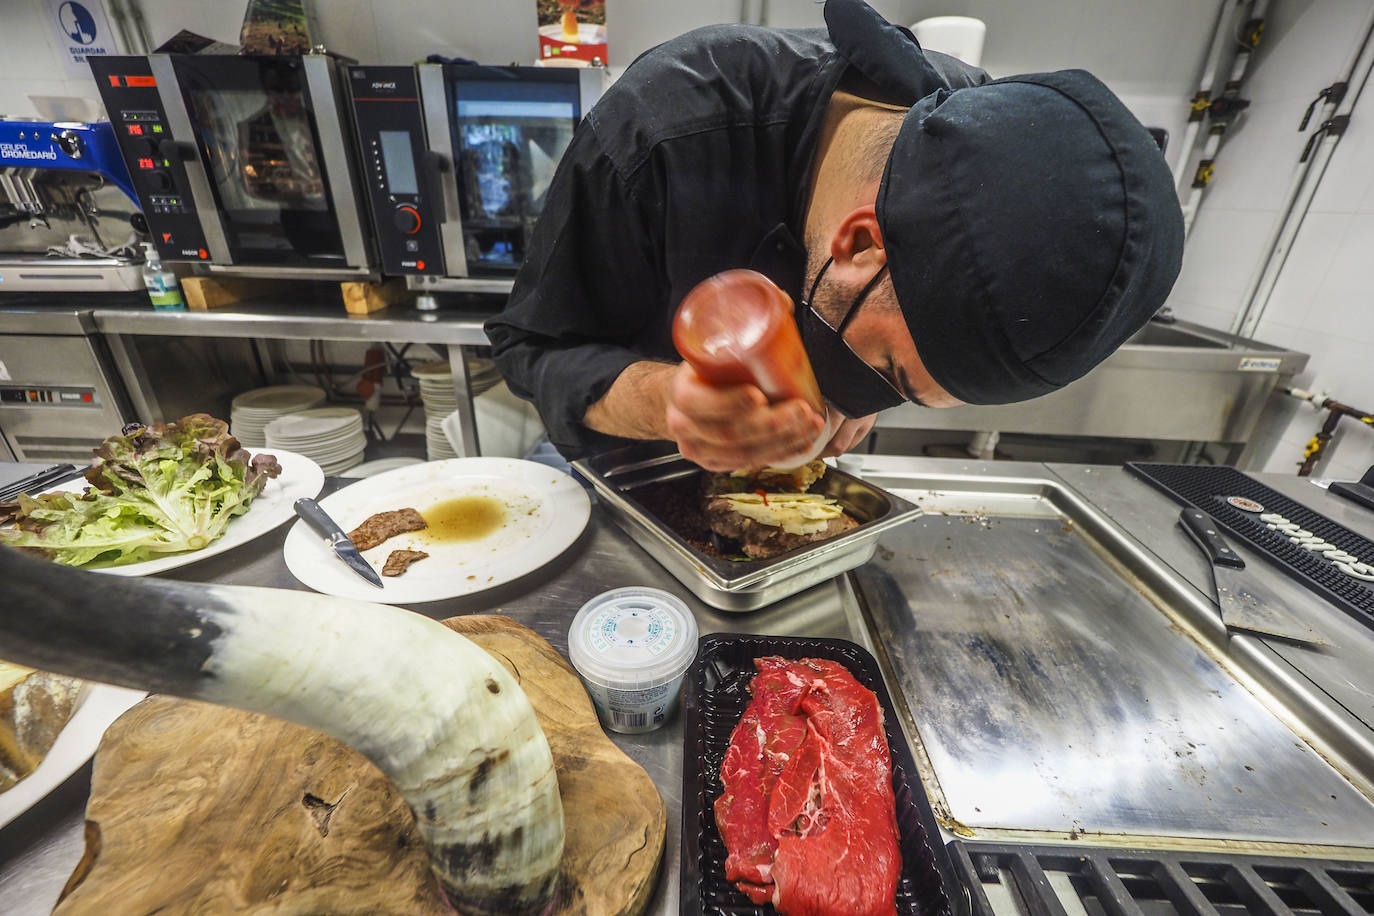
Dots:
(197, 808)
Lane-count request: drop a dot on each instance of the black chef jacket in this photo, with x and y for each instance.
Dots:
(696, 160)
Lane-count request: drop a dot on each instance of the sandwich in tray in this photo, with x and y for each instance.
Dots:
(770, 511)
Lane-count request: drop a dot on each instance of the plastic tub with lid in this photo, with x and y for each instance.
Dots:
(631, 647)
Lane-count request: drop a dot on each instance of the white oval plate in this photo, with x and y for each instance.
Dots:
(97, 708)
(273, 506)
(546, 511)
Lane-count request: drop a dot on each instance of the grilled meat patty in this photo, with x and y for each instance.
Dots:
(763, 541)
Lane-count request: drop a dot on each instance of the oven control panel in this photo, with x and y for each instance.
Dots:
(406, 210)
(130, 93)
(65, 396)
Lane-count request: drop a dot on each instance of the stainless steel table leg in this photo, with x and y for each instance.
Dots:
(130, 367)
(467, 446)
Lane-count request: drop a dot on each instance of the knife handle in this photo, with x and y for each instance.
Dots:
(1203, 530)
(317, 518)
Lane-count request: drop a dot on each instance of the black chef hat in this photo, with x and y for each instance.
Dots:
(1031, 226)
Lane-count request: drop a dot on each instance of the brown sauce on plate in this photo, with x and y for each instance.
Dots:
(465, 518)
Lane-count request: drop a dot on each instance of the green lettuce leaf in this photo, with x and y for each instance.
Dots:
(154, 490)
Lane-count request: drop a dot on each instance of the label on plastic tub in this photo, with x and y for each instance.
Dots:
(625, 710)
(648, 629)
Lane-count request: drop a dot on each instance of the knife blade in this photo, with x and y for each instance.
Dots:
(1241, 607)
(334, 536)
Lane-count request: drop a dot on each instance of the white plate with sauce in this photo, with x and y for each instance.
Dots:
(491, 520)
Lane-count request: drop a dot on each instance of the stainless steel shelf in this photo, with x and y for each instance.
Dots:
(296, 321)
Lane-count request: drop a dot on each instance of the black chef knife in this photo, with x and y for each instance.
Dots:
(343, 548)
(1241, 608)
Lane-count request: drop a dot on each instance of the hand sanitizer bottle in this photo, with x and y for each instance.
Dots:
(163, 287)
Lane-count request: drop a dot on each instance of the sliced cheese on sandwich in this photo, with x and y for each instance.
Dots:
(795, 513)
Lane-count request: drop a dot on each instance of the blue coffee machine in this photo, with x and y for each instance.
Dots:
(68, 217)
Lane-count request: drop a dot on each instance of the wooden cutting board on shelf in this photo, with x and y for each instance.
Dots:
(196, 808)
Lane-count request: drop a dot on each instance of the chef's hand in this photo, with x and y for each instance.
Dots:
(849, 434)
(732, 427)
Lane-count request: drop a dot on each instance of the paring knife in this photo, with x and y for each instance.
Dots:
(1241, 608)
(343, 548)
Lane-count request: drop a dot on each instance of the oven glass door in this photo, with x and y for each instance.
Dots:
(256, 132)
(510, 128)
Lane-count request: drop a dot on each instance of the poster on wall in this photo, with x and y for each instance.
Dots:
(275, 27)
(572, 33)
(82, 31)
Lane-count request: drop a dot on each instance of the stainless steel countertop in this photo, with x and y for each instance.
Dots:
(39, 850)
(1067, 683)
(45, 320)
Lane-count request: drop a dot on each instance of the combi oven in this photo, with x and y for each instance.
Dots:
(242, 163)
(457, 160)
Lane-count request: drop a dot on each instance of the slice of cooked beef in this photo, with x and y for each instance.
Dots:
(761, 541)
(377, 528)
(398, 561)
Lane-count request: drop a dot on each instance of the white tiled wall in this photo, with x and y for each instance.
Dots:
(1323, 303)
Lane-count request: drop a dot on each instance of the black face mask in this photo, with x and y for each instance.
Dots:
(849, 383)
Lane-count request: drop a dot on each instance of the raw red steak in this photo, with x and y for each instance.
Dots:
(807, 814)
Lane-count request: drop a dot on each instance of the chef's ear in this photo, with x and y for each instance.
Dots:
(858, 240)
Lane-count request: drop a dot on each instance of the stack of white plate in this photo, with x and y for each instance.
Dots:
(332, 437)
(436, 390)
(253, 410)
(437, 446)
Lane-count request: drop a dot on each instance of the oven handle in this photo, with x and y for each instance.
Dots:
(436, 165)
(188, 152)
(435, 104)
(327, 99)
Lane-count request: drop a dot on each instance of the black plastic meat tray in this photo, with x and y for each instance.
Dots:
(715, 694)
(1208, 486)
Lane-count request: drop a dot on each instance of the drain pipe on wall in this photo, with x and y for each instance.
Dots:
(1316, 447)
(1222, 110)
(1210, 76)
(1336, 101)
(128, 21)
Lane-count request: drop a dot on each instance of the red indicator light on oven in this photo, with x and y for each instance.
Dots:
(203, 254)
(86, 396)
(135, 130)
(143, 81)
(147, 164)
(419, 265)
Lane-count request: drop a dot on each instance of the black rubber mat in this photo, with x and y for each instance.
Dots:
(1208, 486)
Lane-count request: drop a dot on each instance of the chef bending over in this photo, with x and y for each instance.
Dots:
(948, 239)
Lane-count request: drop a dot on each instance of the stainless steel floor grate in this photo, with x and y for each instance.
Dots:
(1072, 880)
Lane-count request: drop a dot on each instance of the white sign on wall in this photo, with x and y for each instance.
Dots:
(82, 30)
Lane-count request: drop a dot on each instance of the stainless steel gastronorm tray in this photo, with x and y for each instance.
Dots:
(734, 585)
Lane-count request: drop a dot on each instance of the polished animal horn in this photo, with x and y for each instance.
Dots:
(440, 717)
